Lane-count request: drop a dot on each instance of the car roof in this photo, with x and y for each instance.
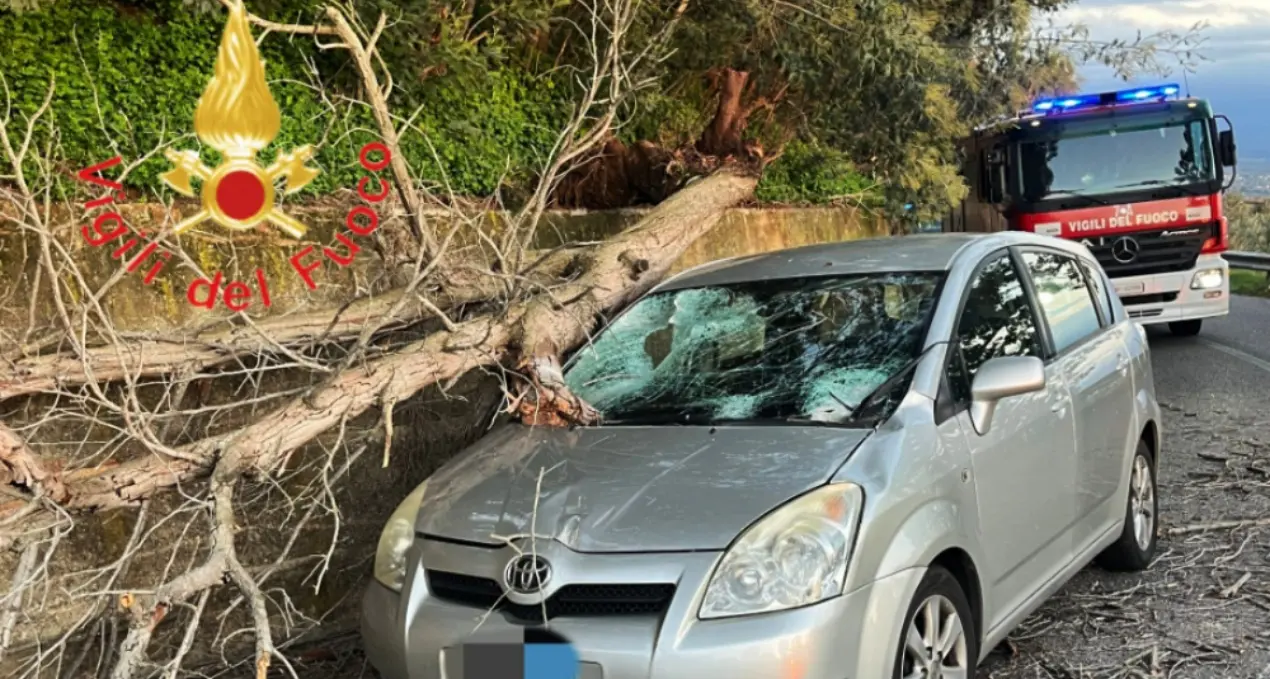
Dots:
(922, 252)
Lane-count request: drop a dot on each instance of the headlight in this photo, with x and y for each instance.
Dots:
(390, 557)
(795, 556)
(1207, 279)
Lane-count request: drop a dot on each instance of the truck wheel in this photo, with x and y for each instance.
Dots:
(1186, 328)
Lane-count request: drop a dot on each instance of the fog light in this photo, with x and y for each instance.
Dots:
(1212, 295)
(1208, 279)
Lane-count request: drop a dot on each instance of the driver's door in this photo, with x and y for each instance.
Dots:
(1024, 466)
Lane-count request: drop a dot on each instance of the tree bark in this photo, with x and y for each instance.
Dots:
(723, 136)
(620, 270)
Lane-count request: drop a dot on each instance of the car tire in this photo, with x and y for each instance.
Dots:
(939, 597)
(1136, 546)
(1186, 328)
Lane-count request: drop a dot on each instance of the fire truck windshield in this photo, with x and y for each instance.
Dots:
(1115, 161)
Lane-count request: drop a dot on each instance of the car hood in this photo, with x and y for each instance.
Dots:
(627, 489)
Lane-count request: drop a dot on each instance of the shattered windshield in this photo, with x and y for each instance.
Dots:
(806, 349)
(1116, 160)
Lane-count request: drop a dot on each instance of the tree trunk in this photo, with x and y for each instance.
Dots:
(723, 136)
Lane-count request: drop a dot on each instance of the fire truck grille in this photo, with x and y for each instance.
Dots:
(1156, 252)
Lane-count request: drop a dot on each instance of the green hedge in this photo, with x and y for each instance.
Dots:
(150, 66)
(812, 174)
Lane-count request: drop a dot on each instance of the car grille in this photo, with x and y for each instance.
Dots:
(1161, 251)
(570, 601)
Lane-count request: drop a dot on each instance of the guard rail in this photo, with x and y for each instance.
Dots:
(1253, 261)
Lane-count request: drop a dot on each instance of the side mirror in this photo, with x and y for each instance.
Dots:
(1226, 148)
(1002, 378)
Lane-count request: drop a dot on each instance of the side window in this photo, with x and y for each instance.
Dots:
(1101, 298)
(1063, 296)
(997, 321)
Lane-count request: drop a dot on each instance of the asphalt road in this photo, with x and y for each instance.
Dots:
(1194, 613)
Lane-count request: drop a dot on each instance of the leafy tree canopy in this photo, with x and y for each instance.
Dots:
(876, 93)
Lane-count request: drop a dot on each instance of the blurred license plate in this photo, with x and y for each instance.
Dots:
(452, 668)
(1126, 289)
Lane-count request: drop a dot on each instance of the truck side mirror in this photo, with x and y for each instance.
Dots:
(1226, 148)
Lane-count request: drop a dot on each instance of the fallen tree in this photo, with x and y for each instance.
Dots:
(445, 317)
(530, 335)
(125, 425)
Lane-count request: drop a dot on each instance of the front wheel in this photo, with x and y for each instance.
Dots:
(1136, 546)
(939, 633)
(1186, 328)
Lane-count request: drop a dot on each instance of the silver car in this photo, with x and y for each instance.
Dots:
(849, 461)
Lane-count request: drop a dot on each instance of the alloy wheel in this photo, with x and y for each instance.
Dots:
(1142, 502)
(935, 644)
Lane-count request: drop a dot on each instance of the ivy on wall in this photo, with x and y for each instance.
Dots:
(128, 80)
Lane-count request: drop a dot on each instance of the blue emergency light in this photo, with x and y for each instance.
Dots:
(1080, 101)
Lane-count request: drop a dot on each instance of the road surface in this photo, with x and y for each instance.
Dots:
(1194, 614)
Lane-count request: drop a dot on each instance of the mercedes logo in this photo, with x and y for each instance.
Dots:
(527, 574)
(1125, 250)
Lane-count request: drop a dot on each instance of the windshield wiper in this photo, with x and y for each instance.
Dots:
(889, 384)
(1161, 182)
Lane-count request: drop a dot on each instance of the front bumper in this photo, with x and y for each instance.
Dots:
(1165, 298)
(853, 636)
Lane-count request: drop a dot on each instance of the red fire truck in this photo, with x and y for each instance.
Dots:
(1136, 175)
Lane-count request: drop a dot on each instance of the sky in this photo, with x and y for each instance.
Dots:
(1236, 76)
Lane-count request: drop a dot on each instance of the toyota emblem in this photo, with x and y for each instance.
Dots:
(1125, 250)
(527, 574)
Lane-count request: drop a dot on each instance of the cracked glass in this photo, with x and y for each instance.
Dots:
(795, 350)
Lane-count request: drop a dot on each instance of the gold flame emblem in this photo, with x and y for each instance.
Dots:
(238, 116)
